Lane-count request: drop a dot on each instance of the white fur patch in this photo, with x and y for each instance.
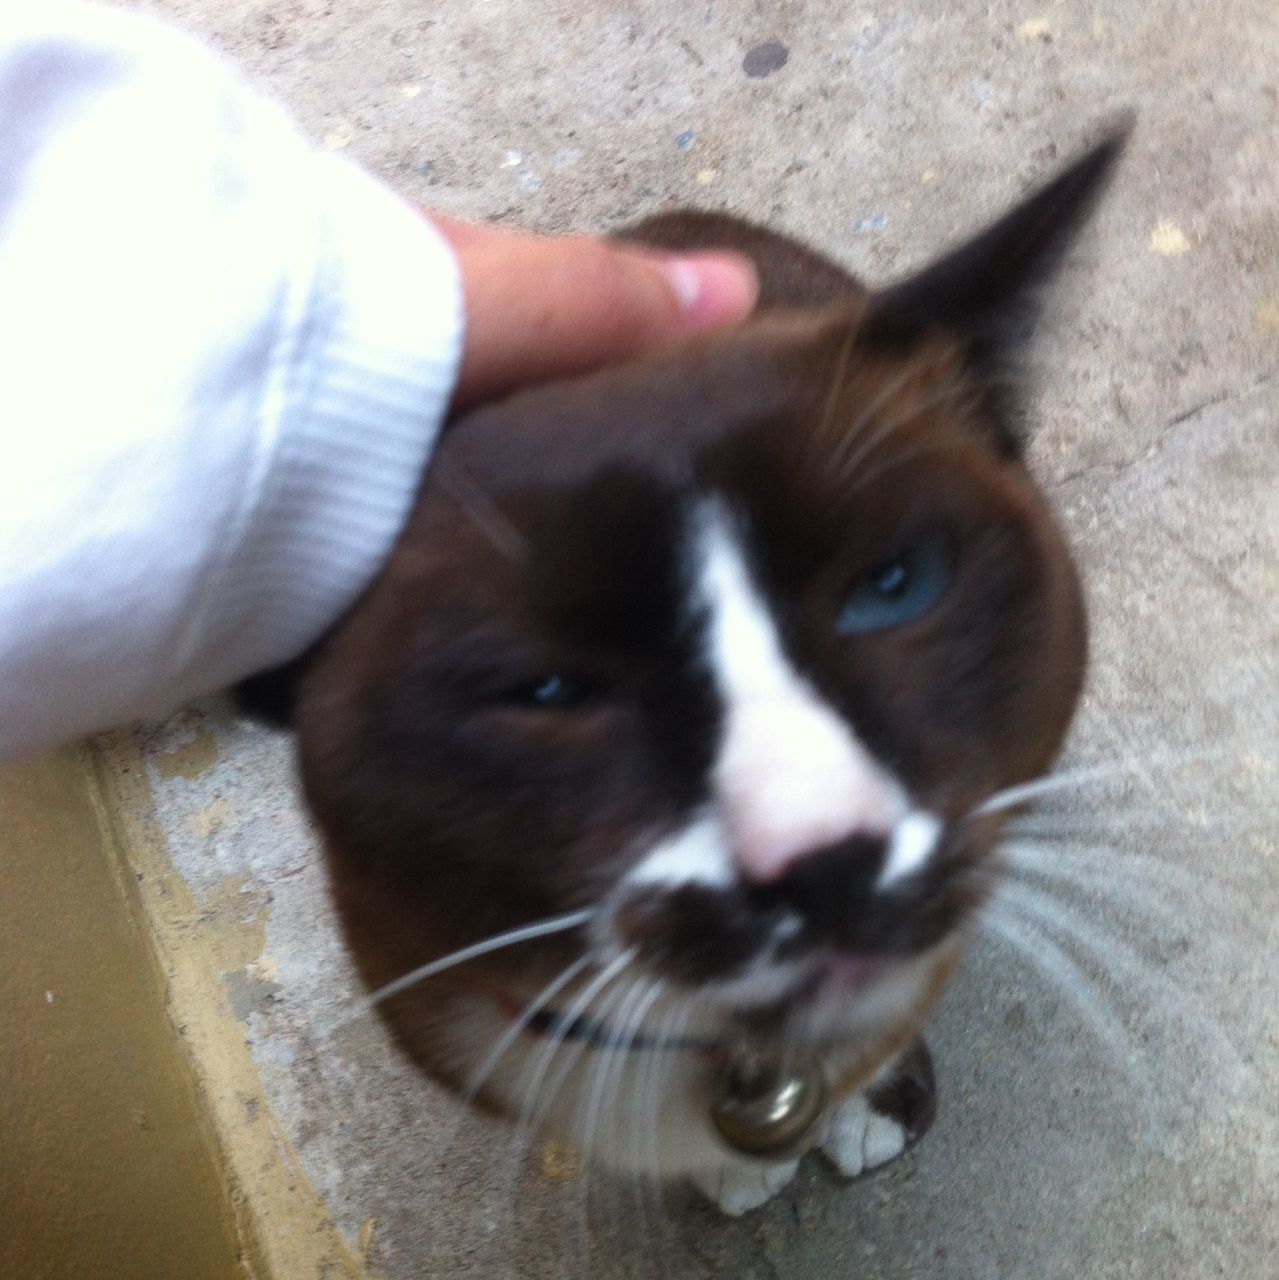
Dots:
(738, 1186)
(698, 854)
(791, 774)
(861, 1138)
(913, 842)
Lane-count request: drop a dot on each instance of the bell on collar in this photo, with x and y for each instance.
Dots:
(766, 1106)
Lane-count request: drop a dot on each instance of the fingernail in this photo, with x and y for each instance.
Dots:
(711, 288)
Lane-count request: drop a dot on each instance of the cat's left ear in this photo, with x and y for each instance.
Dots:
(986, 291)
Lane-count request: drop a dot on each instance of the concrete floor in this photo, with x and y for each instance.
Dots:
(1149, 1153)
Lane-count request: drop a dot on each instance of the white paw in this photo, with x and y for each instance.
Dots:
(860, 1138)
(740, 1186)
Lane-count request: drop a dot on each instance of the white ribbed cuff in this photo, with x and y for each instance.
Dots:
(359, 403)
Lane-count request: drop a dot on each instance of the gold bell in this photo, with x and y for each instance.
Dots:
(762, 1108)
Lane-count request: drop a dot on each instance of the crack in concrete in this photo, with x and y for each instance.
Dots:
(1113, 469)
(1224, 397)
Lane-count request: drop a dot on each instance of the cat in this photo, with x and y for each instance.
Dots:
(726, 664)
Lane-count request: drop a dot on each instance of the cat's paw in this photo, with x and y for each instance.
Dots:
(860, 1138)
(738, 1186)
(874, 1127)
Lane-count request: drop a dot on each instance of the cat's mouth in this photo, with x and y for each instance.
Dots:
(830, 997)
(842, 976)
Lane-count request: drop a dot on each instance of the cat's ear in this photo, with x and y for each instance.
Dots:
(985, 292)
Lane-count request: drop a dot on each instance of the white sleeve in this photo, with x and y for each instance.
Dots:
(223, 361)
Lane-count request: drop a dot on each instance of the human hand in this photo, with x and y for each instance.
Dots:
(540, 307)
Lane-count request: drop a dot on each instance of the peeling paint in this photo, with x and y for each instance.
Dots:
(191, 760)
(233, 920)
(366, 1244)
(209, 820)
(247, 993)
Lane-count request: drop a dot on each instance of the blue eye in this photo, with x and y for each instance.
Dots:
(548, 693)
(897, 591)
(556, 691)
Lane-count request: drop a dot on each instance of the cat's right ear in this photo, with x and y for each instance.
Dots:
(985, 292)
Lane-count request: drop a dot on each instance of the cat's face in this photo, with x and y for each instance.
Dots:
(728, 647)
(737, 684)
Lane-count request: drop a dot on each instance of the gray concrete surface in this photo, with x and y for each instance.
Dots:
(1150, 1153)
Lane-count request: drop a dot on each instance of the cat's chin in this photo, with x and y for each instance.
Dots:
(776, 996)
(846, 977)
(836, 997)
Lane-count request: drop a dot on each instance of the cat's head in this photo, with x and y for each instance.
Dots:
(728, 646)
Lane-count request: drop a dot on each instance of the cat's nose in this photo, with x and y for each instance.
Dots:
(832, 891)
(792, 779)
(870, 896)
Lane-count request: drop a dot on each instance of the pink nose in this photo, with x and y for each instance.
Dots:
(791, 782)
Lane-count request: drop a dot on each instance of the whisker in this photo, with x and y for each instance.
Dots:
(1061, 825)
(1082, 775)
(1081, 869)
(642, 1113)
(613, 1065)
(603, 1013)
(946, 390)
(1133, 765)
(558, 1037)
(534, 1105)
(481, 509)
(664, 1059)
(475, 1082)
(631, 1028)
(877, 472)
(599, 1072)
(1124, 820)
(1114, 953)
(868, 411)
(848, 466)
(1011, 797)
(627, 1043)
(608, 1055)
(1065, 975)
(1150, 911)
(1097, 1015)
(949, 388)
(840, 372)
(580, 1125)
(526, 933)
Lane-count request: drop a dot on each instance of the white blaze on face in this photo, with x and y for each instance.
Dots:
(791, 776)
